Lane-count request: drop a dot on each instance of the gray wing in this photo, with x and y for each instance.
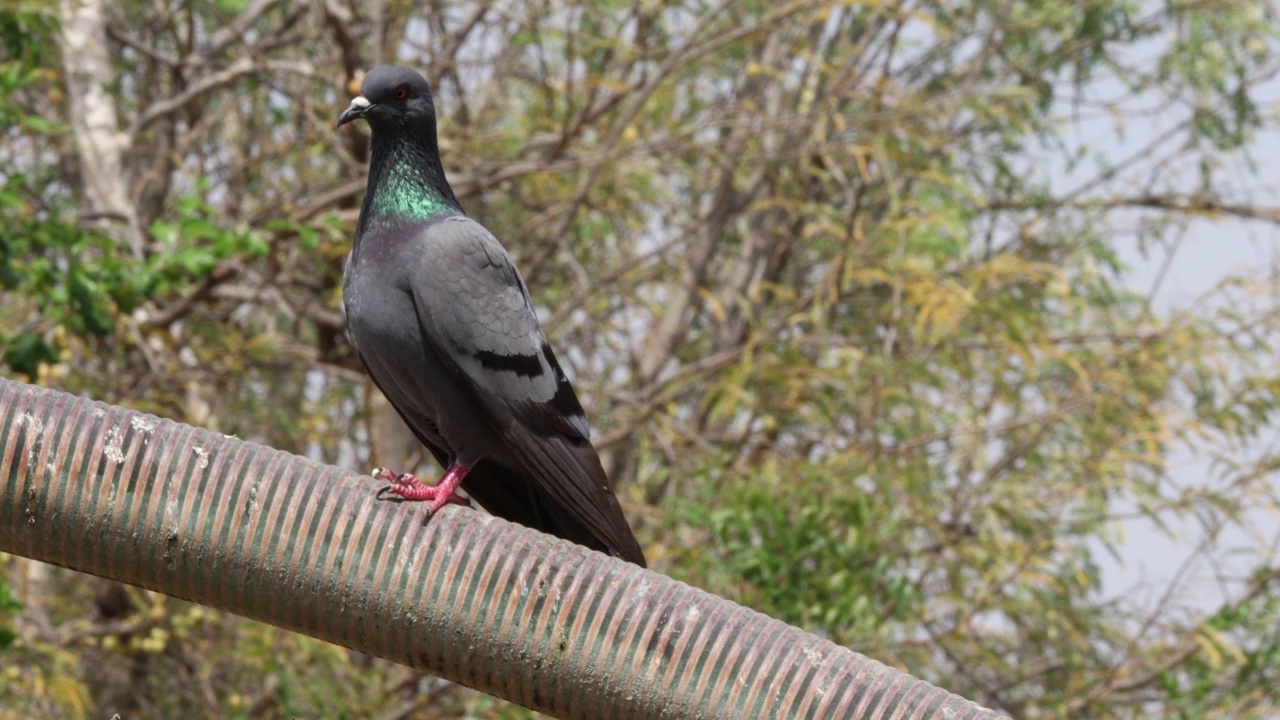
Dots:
(483, 316)
(476, 312)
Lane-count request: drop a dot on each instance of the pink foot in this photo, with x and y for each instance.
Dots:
(411, 488)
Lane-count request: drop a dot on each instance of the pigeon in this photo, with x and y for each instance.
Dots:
(443, 324)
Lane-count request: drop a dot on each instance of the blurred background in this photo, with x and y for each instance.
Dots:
(945, 329)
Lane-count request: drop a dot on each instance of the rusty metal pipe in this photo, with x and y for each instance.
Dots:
(480, 601)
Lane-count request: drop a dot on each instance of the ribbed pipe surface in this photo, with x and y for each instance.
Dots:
(480, 601)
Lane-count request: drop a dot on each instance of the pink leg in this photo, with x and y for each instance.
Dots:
(442, 493)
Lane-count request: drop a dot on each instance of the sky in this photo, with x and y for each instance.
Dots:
(1148, 560)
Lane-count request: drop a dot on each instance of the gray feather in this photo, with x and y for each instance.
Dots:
(481, 316)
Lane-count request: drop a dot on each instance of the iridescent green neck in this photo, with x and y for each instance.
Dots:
(406, 193)
(406, 182)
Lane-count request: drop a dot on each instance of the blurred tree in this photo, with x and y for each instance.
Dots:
(840, 283)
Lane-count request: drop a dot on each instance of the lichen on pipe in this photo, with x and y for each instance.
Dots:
(468, 597)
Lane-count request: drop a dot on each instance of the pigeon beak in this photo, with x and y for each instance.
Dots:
(355, 110)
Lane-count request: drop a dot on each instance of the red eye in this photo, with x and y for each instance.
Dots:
(401, 92)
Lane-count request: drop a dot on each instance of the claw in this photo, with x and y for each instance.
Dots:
(409, 487)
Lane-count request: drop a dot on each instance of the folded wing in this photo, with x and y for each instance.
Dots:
(475, 313)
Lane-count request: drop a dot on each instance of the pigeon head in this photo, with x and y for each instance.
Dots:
(406, 178)
(391, 96)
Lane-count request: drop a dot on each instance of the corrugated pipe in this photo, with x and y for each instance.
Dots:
(495, 606)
